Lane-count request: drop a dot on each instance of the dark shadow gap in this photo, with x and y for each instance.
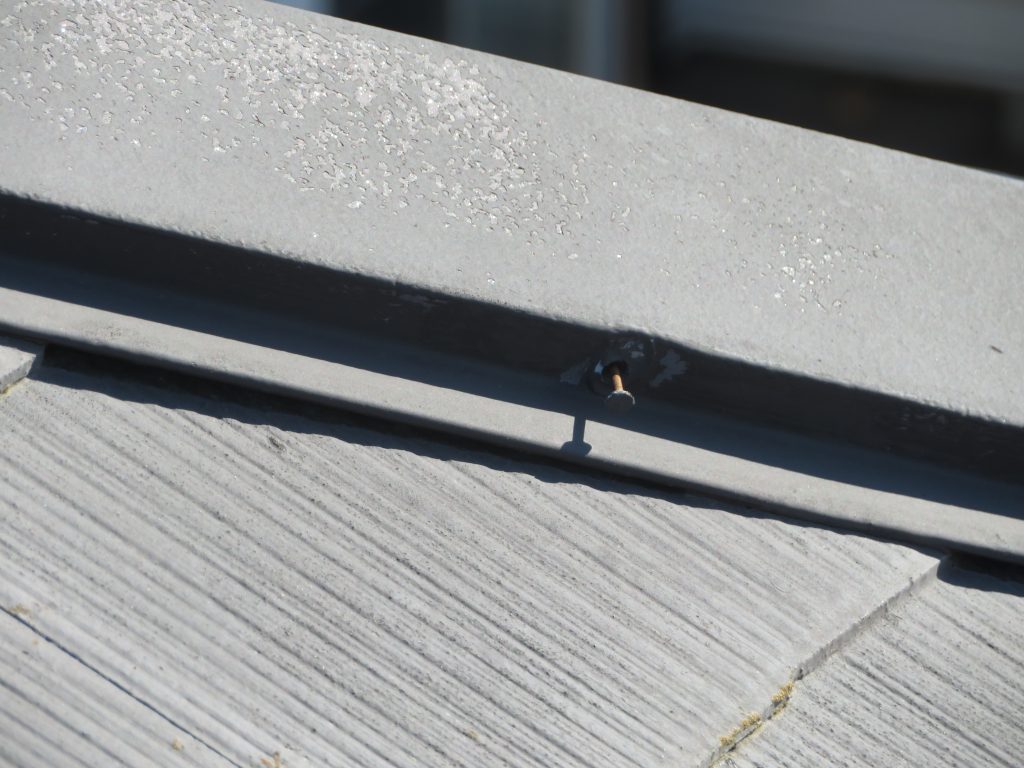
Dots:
(981, 573)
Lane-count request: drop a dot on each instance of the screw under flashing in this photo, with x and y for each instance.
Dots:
(620, 399)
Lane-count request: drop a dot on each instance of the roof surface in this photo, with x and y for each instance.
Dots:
(936, 683)
(269, 198)
(270, 582)
(194, 572)
(179, 568)
(377, 154)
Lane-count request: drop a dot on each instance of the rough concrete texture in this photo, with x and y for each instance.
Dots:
(384, 155)
(55, 711)
(276, 584)
(17, 358)
(937, 683)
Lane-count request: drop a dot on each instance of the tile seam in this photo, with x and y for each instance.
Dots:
(756, 720)
(78, 659)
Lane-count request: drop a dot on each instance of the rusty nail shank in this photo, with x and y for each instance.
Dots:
(619, 399)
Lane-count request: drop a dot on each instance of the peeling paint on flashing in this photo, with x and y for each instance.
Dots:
(672, 365)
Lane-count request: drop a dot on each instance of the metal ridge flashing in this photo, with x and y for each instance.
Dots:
(822, 480)
(430, 224)
(340, 146)
(71, 255)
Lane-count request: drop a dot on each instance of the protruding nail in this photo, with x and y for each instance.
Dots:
(620, 399)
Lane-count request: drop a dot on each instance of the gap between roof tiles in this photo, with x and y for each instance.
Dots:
(754, 721)
(23, 616)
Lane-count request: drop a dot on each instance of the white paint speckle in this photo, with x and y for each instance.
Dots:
(672, 365)
(363, 115)
(635, 349)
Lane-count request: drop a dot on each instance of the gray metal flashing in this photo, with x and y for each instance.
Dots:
(811, 479)
(449, 198)
(412, 230)
(61, 253)
(277, 584)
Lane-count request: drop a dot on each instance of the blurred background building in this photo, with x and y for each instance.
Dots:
(940, 78)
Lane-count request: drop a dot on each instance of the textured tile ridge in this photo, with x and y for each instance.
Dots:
(774, 704)
(936, 683)
(56, 712)
(17, 359)
(279, 585)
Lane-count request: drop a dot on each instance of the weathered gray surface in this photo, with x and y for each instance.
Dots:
(55, 711)
(276, 584)
(817, 480)
(937, 683)
(337, 144)
(16, 360)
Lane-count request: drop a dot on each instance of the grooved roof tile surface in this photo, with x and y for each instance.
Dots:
(182, 561)
(55, 711)
(937, 683)
(272, 583)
